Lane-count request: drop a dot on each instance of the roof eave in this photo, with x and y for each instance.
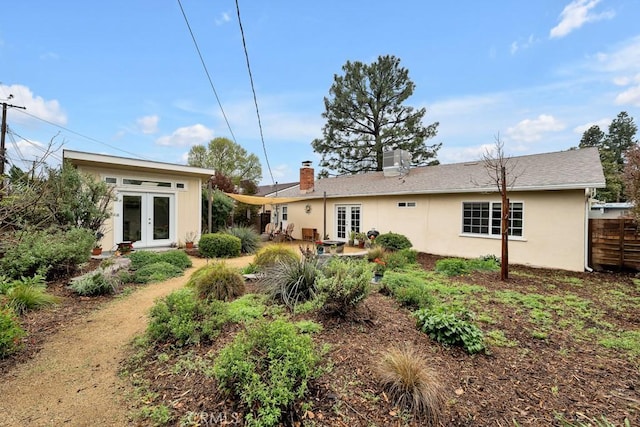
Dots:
(84, 158)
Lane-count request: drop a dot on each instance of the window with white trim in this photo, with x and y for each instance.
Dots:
(484, 218)
(285, 215)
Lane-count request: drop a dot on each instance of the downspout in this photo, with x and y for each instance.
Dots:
(587, 207)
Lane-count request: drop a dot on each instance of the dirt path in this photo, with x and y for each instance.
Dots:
(73, 380)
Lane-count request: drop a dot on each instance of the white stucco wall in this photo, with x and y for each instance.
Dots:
(553, 234)
(187, 201)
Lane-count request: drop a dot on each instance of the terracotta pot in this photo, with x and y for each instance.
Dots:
(96, 251)
(189, 245)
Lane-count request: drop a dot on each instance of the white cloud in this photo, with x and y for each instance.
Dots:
(623, 59)
(530, 130)
(603, 124)
(35, 106)
(148, 124)
(575, 15)
(187, 136)
(516, 45)
(223, 19)
(462, 154)
(630, 96)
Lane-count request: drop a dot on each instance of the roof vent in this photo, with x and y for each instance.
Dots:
(396, 162)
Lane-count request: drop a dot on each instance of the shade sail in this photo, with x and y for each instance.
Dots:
(260, 201)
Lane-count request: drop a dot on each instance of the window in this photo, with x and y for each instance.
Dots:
(110, 180)
(284, 213)
(406, 204)
(180, 185)
(128, 181)
(485, 218)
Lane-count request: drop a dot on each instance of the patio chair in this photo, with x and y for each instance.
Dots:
(270, 230)
(287, 235)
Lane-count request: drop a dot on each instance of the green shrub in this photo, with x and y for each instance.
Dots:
(5, 284)
(398, 260)
(182, 319)
(246, 308)
(178, 258)
(484, 264)
(290, 282)
(94, 284)
(140, 259)
(344, 283)
(10, 333)
(409, 290)
(459, 266)
(29, 294)
(376, 252)
(219, 245)
(393, 241)
(271, 254)
(452, 266)
(249, 239)
(449, 329)
(268, 367)
(156, 272)
(217, 281)
(50, 253)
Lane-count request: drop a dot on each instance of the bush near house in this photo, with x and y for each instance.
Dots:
(177, 258)
(219, 245)
(393, 241)
(50, 253)
(156, 272)
(272, 254)
(249, 238)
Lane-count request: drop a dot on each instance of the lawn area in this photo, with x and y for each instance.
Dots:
(560, 348)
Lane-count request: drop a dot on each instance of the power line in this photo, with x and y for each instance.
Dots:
(206, 70)
(255, 99)
(137, 156)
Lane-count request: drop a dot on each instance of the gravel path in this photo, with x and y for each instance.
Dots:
(73, 380)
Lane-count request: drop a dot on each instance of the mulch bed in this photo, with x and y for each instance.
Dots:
(525, 385)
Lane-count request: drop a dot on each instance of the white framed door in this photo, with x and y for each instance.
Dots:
(348, 218)
(148, 219)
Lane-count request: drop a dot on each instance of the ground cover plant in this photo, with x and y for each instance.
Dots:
(562, 349)
(547, 335)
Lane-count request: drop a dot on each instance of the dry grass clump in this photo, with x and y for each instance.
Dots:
(412, 385)
(217, 281)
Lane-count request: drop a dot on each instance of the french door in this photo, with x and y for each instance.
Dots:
(148, 219)
(348, 218)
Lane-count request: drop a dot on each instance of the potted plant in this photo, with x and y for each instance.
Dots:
(97, 246)
(352, 238)
(361, 237)
(189, 238)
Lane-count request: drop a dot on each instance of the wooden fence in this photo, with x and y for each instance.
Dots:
(614, 243)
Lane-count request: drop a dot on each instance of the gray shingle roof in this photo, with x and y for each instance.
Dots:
(564, 170)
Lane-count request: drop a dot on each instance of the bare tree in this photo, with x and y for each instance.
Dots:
(500, 170)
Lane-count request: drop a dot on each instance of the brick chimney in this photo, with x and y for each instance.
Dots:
(306, 177)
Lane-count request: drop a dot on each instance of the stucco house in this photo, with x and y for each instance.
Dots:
(156, 204)
(454, 209)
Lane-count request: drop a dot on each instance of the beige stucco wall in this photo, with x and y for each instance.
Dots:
(187, 201)
(554, 225)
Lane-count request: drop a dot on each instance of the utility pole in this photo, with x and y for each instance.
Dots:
(3, 132)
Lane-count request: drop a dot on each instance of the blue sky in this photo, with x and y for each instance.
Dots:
(123, 77)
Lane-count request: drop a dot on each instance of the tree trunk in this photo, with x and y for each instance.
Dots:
(504, 265)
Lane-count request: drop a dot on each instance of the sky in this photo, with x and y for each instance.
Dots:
(124, 77)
